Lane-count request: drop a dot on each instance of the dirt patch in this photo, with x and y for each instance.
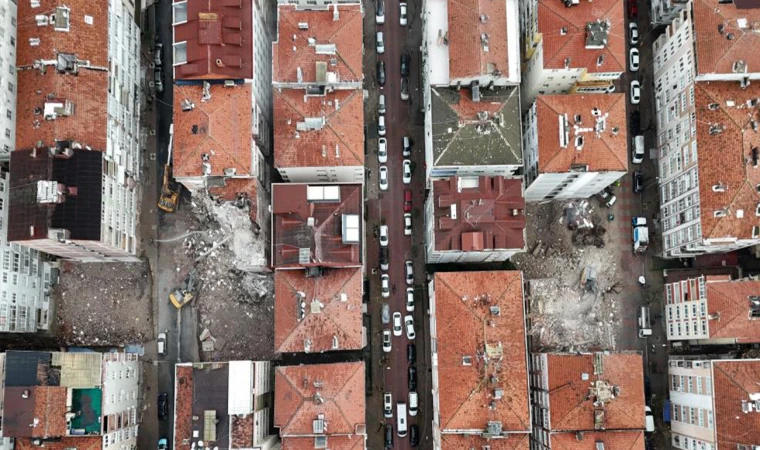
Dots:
(104, 304)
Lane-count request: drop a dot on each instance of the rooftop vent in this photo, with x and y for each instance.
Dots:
(34, 42)
(483, 18)
(713, 106)
(563, 31)
(335, 342)
(578, 119)
(739, 65)
(720, 187)
(597, 34)
(484, 42)
(567, 62)
(466, 360)
(61, 18)
(498, 394)
(564, 131)
(720, 212)
(320, 441)
(715, 129)
(303, 25)
(600, 60)
(495, 311)
(42, 20)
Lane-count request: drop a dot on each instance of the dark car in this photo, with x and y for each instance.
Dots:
(381, 73)
(389, 436)
(404, 65)
(412, 378)
(638, 182)
(163, 406)
(407, 200)
(384, 258)
(414, 436)
(635, 123)
(411, 354)
(633, 9)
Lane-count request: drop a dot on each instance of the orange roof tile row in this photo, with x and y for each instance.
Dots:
(720, 39)
(466, 326)
(729, 300)
(467, 57)
(616, 440)
(600, 151)
(515, 441)
(734, 382)
(66, 443)
(333, 443)
(183, 408)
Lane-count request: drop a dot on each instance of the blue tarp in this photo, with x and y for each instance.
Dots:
(666, 412)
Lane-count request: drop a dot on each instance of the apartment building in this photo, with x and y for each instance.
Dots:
(714, 403)
(480, 368)
(713, 310)
(318, 96)
(321, 406)
(8, 22)
(223, 405)
(84, 400)
(574, 145)
(663, 12)
(77, 130)
(582, 400)
(474, 219)
(707, 114)
(571, 46)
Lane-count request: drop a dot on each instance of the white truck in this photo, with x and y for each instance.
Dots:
(640, 234)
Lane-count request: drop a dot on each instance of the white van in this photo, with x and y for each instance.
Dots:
(412, 403)
(649, 420)
(638, 149)
(380, 43)
(401, 418)
(645, 329)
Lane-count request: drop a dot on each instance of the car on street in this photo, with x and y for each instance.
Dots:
(635, 123)
(649, 420)
(387, 405)
(414, 436)
(409, 324)
(407, 147)
(635, 92)
(411, 354)
(409, 299)
(380, 12)
(163, 406)
(381, 130)
(382, 150)
(385, 285)
(402, 14)
(404, 88)
(388, 437)
(633, 33)
(409, 273)
(383, 178)
(407, 200)
(381, 73)
(633, 59)
(397, 330)
(637, 153)
(413, 403)
(638, 182)
(412, 378)
(381, 104)
(408, 224)
(161, 344)
(158, 80)
(157, 54)
(404, 65)
(633, 9)
(380, 42)
(385, 314)
(387, 341)
(383, 235)
(163, 444)
(384, 258)
(407, 171)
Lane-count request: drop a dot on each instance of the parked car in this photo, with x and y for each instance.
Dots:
(407, 147)
(411, 354)
(157, 54)
(380, 12)
(381, 73)
(407, 200)
(638, 181)
(649, 420)
(163, 444)
(414, 436)
(397, 330)
(385, 314)
(635, 92)
(407, 171)
(382, 150)
(380, 42)
(385, 285)
(407, 224)
(633, 9)
(404, 88)
(413, 403)
(409, 273)
(633, 59)
(388, 437)
(633, 33)
(383, 178)
(163, 406)
(409, 324)
(412, 378)
(384, 258)
(381, 104)
(404, 65)
(158, 80)
(387, 341)
(635, 123)
(409, 299)
(383, 235)
(637, 153)
(161, 343)
(388, 405)
(402, 14)
(381, 130)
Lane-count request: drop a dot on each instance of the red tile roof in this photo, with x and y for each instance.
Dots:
(336, 391)
(241, 431)
(715, 53)
(730, 300)
(725, 158)
(219, 37)
(333, 443)
(514, 441)
(734, 382)
(292, 50)
(601, 152)
(485, 218)
(336, 317)
(219, 128)
(553, 16)
(616, 440)
(291, 231)
(572, 406)
(183, 407)
(235, 188)
(50, 408)
(66, 443)
(466, 55)
(339, 141)
(466, 326)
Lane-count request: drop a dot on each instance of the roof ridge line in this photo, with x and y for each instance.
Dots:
(337, 406)
(300, 403)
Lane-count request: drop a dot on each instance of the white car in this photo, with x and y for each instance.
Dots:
(383, 235)
(380, 42)
(383, 178)
(409, 299)
(635, 92)
(409, 323)
(397, 330)
(385, 286)
(387, 341)
(380, 12)
(407, 147)
(633, 33)
(382, 150)
(402, 17)
(408, 224)
(409, 273)
(388, 404)
(381, 125)
(633, 59)
(161, 343)
(407, 171)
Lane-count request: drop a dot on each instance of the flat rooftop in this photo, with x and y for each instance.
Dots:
(478, 214)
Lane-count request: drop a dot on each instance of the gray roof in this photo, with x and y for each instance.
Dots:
(466, 133)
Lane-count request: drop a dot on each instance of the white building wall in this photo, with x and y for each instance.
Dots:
(456, 256)
(691, 398)
(334, 174)
(501, 170)
(548, 186)
(121, 396)
(686, 319)
(8, 17)
(264, 23)
(434, 366)
(539, 81)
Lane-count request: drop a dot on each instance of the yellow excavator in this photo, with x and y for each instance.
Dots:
(169, 189)
(182, 296)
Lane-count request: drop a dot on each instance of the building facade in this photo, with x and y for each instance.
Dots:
(8, 21)
(663, 12)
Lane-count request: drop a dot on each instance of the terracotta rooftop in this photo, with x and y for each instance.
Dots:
(332, 309)
(714, 21)
(47, 404)
(468, 327)
(67, 443)
(727, 146)
(734, 382)
(478, 214)
(603, 151)
(217, 132)
(617, 440)
(334, 443)
(730, 300)
(241, 431)
(572, 403)
(514, 441)
(183, 407)
(564, 34)
(318, 131)
(469, 133)
(218, 39)
(304, 393)
(467, 57)
(325, 219)
(341, 38)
